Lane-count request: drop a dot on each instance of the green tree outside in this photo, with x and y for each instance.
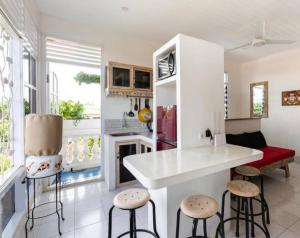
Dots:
(86, 78)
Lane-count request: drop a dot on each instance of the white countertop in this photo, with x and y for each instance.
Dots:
(145, 136)
(160, 169)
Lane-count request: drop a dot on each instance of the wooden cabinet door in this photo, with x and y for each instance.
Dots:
(124, 149)
(120, 76)
(143, 80)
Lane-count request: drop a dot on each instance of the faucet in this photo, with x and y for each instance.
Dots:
(124, 124)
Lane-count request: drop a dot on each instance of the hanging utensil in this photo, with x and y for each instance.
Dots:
(145, 114)
(131, 113)
(136, 107)
(147, 103)
(139, 104)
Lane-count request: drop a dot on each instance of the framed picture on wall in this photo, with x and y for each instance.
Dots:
(291, 98)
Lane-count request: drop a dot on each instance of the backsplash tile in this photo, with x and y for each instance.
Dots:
(115, 125)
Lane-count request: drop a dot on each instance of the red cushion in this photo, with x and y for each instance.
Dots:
(271, 155)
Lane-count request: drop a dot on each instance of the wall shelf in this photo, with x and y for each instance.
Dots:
(168, 82)
(197, 89)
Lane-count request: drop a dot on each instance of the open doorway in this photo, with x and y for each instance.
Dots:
(74, 73)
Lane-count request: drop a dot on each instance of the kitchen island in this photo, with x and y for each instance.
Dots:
(172, 175)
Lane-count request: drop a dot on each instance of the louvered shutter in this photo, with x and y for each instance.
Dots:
(22, 21)
(62, 51)
(14, 10)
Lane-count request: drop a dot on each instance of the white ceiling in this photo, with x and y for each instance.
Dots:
(226, 22)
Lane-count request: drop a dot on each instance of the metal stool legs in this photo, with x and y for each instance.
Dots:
(248, 216)
(28, 206)
(266, 212)
(61, 204)
(132, 224)
(195, 226)
(237, 226)
(263, 199)
(58, 203)
(154, 217)
(32, 211)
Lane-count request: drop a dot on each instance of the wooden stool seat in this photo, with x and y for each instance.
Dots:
(243, 188)
(131, 199)
(199, 206)
(248, 171)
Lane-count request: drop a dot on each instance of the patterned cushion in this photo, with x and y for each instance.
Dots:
(43, 166)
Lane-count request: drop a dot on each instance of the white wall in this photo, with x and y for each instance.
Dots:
(116, 47)
(282, 71)
(233, 68)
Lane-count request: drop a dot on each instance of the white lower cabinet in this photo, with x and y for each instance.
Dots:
(123, 149)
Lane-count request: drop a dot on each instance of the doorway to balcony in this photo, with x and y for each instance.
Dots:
(74, 72)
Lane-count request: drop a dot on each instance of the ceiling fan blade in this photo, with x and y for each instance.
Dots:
(279, 42)
(239, 47)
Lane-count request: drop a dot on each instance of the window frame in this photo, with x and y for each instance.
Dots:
(265, 112)
(17, 142)
(32, 79)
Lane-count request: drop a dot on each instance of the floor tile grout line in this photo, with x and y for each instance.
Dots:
(281, 233)
(294, 223)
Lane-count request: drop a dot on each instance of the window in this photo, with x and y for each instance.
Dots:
(259, 99)
(9, 100)
(54, 103)
(5, 101)
(29, 79)
(226, 94)
(77, 66)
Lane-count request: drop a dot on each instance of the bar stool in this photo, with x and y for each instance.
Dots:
(249, 173)
(198, 207)
(130, 200)
(43, 142)
(245, 191)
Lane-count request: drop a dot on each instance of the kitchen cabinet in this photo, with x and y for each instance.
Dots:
(142, 79)
(123, 149)
(129, 80)
(120, 76)
(145, 147)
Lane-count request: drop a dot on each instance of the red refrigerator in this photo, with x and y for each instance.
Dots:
(166, 128)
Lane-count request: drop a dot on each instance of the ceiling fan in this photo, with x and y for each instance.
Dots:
(260, 40)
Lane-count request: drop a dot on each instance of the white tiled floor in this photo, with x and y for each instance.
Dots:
(86, 210)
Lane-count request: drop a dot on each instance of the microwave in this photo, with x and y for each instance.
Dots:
(167, 66)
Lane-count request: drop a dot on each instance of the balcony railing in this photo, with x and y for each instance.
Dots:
(81, 144)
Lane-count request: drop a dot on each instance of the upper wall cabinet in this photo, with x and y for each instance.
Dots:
(131, 80)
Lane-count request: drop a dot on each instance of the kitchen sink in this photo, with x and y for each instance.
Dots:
(125, 134)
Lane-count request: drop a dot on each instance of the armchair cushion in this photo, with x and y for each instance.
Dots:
(256, 140)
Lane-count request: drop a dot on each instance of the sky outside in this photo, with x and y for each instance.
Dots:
(69, 89)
